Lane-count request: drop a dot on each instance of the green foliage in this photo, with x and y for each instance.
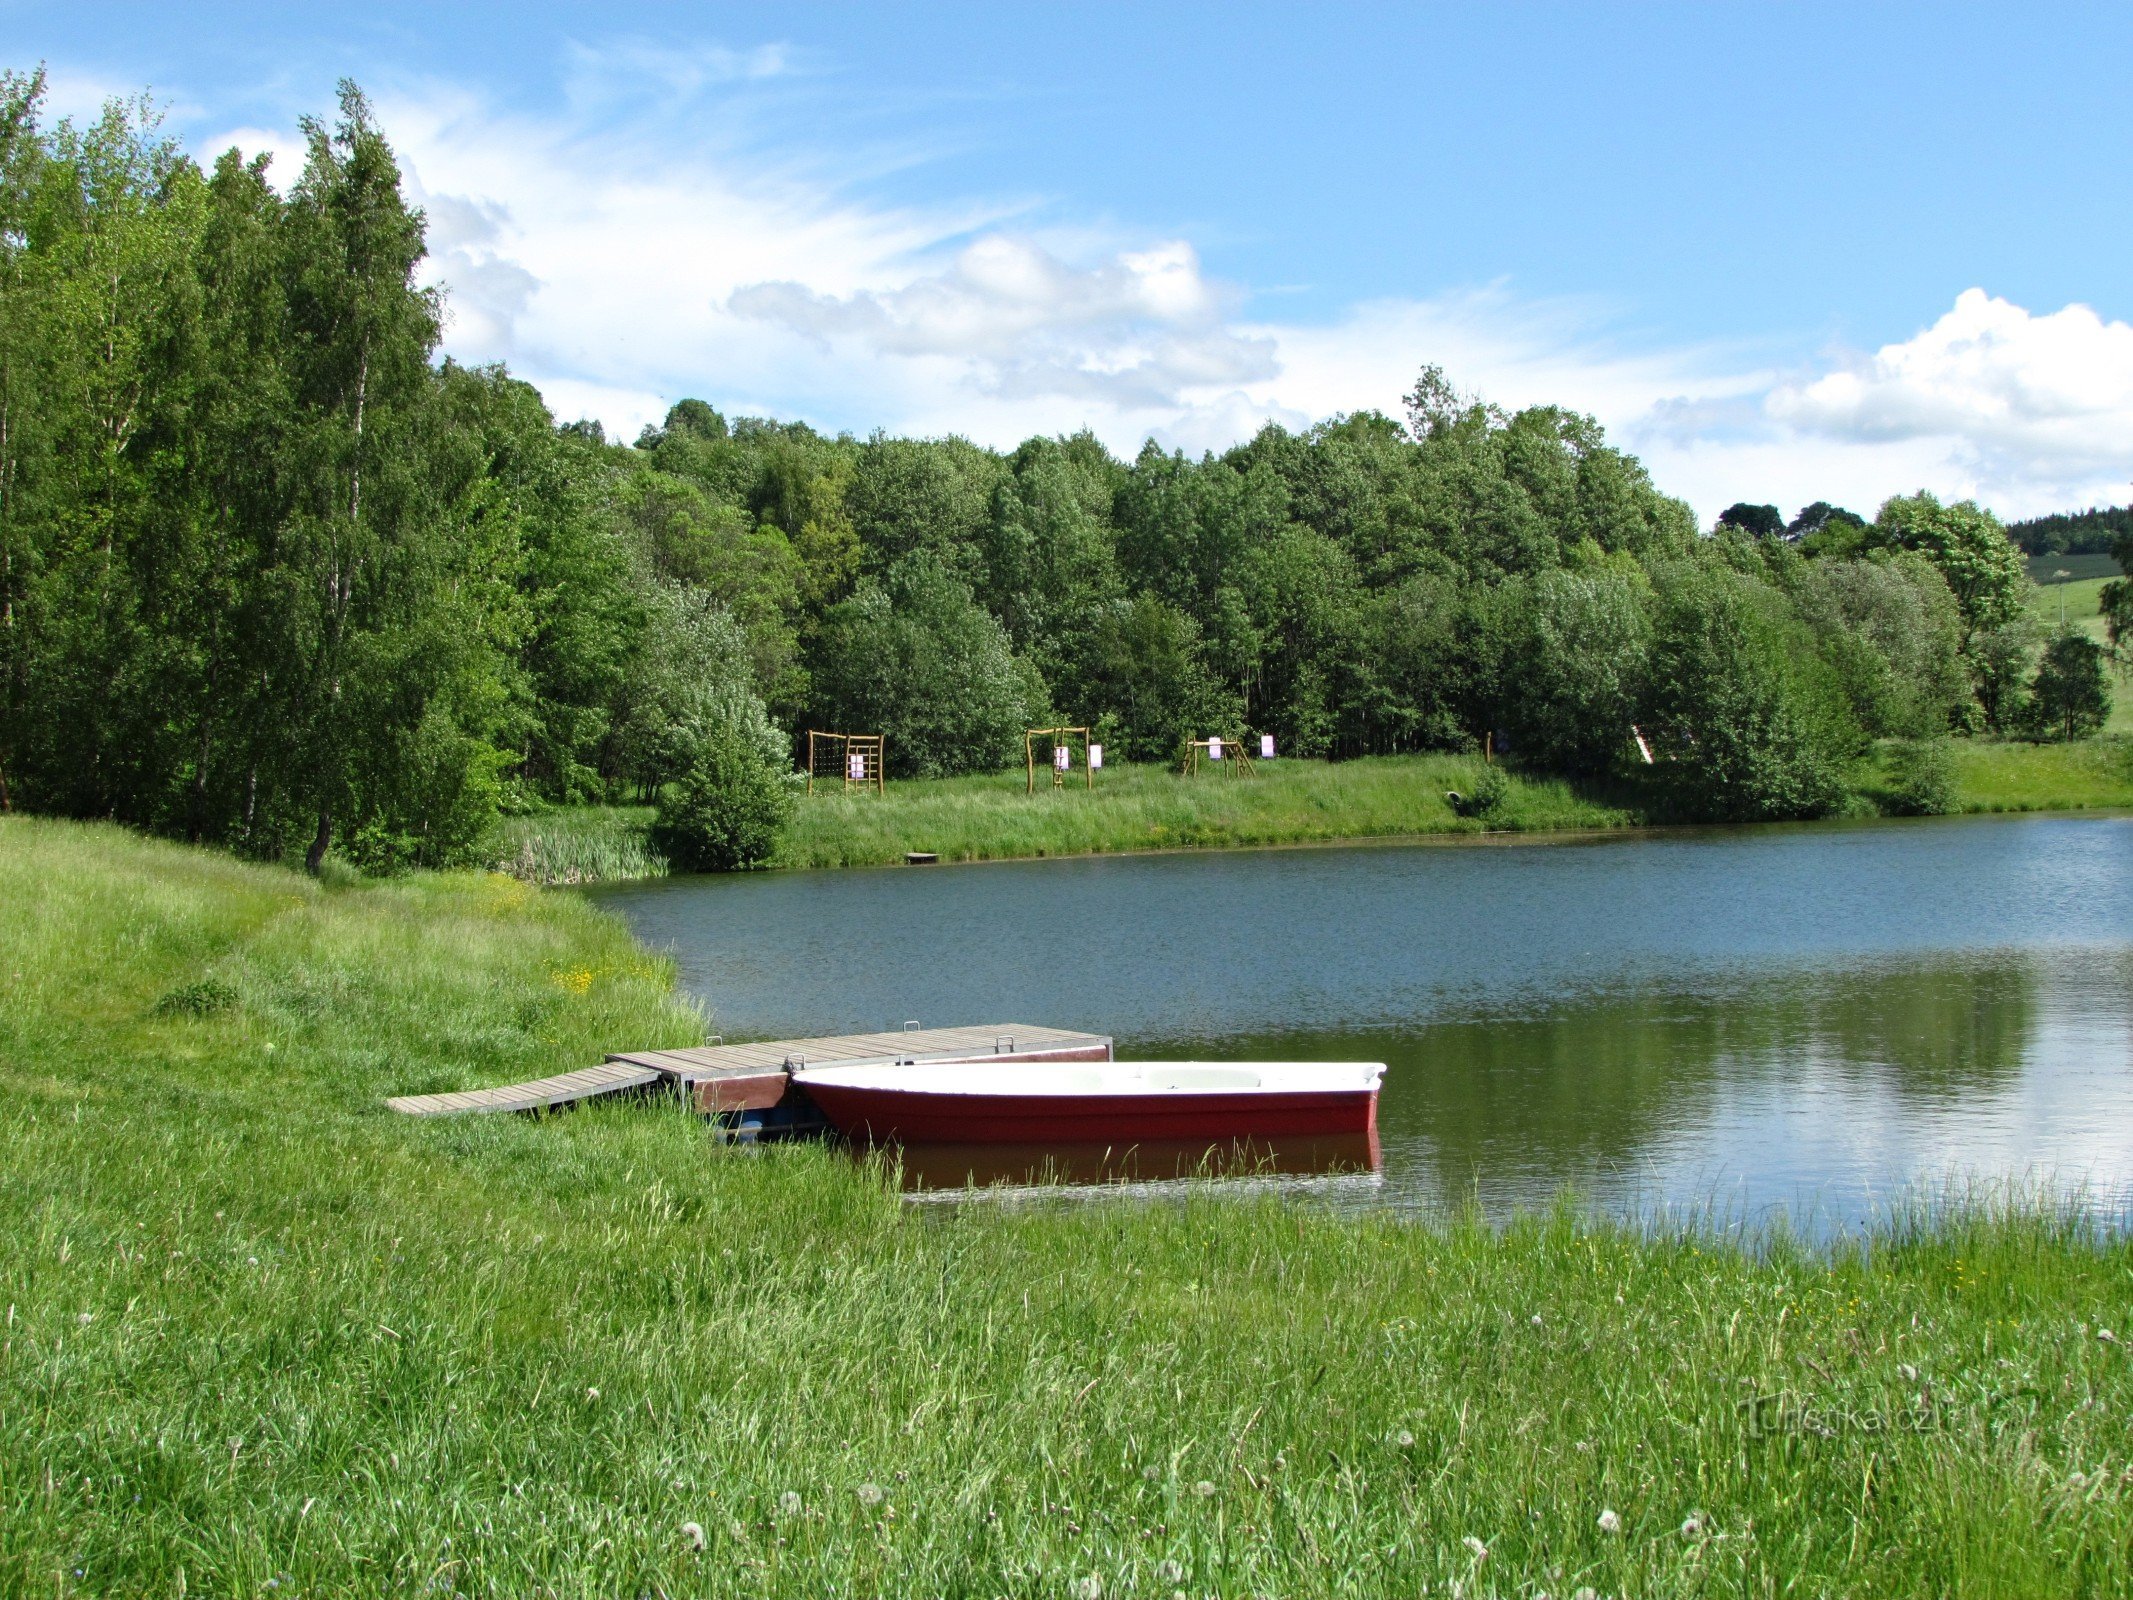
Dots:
(1483, 797)
(1983, 568)
(276, 578)
(207, 997)
(1577, 668)
(2001, 660)
(2070, 698)
(915, 657)
(1922, 778)
(724, 812)
(1751, 722)
(1758, 522)
(2090, 532)
(1890, 628)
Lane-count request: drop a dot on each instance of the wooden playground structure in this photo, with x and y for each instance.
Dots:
(1092, 755)
(855, 757)
(1222, 749)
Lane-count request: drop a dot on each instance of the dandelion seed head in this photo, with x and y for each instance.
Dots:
(1089, 1588)
(789, 1503)
(86, 1318)
(1692, 1525)
(869, 1494)
(1586, 1593)
(1204, 1489)
(1404, 1439)
(592, 1394)
(1481, 1551)
(1170, 1572)
(1610, 1520)
(694, 1533)
(1536, 1319)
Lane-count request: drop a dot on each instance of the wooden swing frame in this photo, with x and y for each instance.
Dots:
(1059, 774)
(1240, 763)
(871, 748)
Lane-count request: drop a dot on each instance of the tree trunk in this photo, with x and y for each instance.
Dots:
(320, 841)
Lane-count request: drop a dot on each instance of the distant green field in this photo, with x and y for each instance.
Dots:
(2078, 569)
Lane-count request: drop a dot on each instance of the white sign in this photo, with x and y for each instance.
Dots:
(1214, 749)
(1266, 747)
(1062, 758)
(1096, 757)
(855, 768)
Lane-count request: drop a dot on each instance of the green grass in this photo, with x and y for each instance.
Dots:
(2091, 774)
(993, 817)
(1153, 808)
(2078, 569)
(577, 844)
(261, 1337)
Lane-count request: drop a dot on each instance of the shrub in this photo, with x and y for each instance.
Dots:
(1489, 791)
(207, 998)
(726, 810)
(1921, 778)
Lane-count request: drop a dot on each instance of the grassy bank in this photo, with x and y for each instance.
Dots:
(992, 817)
(2093, 774)
(263, 1338)
(1152, 808)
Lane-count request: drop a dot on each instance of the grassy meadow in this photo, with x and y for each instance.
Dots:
(993, 815)
(262, 1337)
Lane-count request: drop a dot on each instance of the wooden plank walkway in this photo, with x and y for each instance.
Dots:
(610, 1077)
(852, 1049)
(753, 1077)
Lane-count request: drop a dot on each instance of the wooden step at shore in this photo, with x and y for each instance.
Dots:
(543, 1094)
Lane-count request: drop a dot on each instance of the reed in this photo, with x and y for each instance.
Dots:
(564, 845)
(262, 1337)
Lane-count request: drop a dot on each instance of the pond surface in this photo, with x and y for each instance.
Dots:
(1827, 1019)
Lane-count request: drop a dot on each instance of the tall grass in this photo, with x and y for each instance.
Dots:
(1152, 808)
(263, 1338)
(578, 845)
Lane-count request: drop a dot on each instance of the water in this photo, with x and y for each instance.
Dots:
(1825, 1019)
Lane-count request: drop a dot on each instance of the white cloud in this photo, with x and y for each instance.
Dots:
(2014, 402)
(1132, 330)
(633, 247)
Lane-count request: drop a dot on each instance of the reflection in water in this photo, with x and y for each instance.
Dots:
(1817, 1018)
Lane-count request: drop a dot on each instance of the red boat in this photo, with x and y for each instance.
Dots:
(1096, 1103)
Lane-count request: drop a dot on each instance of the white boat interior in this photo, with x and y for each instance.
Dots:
(1076, 1078)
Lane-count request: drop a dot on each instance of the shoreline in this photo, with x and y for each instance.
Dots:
(1487, 838)
(1382, 800)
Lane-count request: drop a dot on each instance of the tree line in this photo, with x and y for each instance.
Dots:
(272, 575)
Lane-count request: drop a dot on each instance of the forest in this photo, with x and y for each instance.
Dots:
(274, 576)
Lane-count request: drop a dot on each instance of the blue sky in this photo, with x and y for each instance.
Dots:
(1783, 252)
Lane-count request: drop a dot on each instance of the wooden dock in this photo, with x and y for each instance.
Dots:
(733, 1079)
(543, 1094)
